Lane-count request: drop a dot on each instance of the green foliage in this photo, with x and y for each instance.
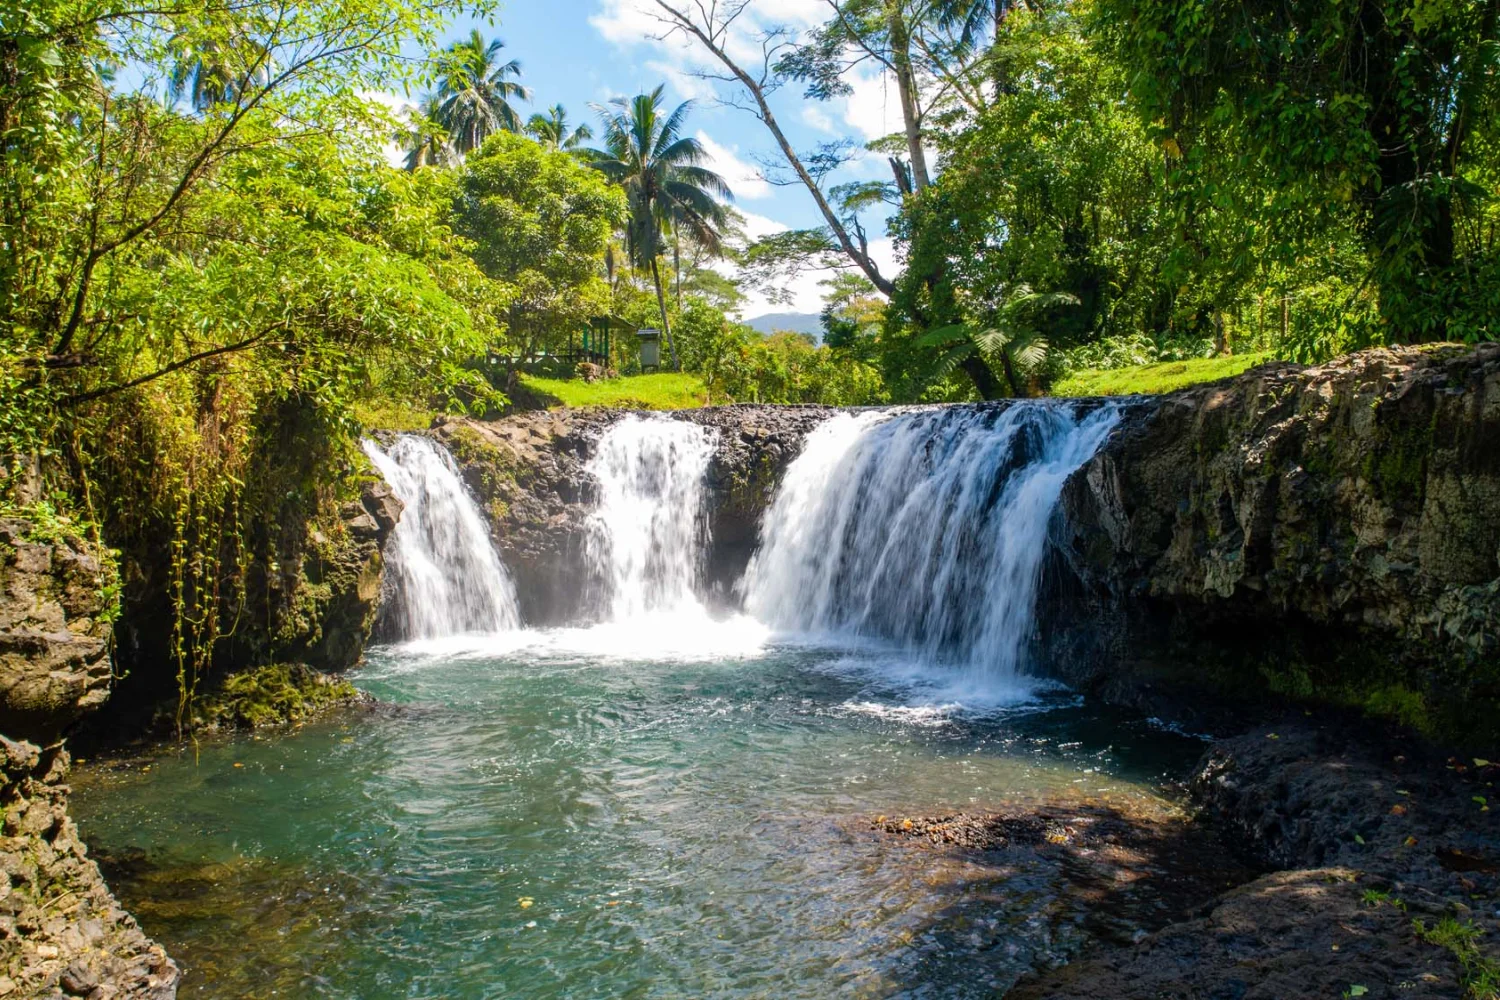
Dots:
(667, 188)
(194, 300)
(539, 222)
(1155, 378)
(1375, 118)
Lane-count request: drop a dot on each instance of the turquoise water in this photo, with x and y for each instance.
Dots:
(682, 809)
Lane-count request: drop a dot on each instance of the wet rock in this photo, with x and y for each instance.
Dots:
(528, 471)
(1381, 838)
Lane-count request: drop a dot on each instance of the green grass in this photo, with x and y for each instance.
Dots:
(663, 391)
(1165, 376)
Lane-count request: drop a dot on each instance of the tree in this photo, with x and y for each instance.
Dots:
(477, 90)
(216, 60)
(1012, 339)
(666, 186)
(425, 139)
(551, 129)
(1377, 107)
(540, 222)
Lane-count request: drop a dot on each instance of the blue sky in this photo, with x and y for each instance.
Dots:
(577, 52)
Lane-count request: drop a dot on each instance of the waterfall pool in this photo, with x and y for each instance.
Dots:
(551, 814)
(669, 805)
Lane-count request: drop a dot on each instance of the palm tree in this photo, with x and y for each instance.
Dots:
(666, 186)
(213, 71)
(1011, 339)
(425, 139)
(476, 91)
(551, 129)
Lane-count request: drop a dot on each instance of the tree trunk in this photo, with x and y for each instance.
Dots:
(677, 269)
(661, 303)
(984, 379)
(906, 87)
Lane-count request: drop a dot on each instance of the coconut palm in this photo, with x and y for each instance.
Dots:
(213, 71)
(666, 186)
(476, 90)
(551, 129)
(425, 140)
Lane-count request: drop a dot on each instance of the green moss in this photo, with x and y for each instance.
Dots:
(269, 696)
(663, 391)
(1166, 376)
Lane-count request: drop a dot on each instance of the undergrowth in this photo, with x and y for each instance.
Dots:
(272, 695)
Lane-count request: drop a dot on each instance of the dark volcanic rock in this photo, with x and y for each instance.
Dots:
(1330, 533)
(1379, 836)
(1292, 935)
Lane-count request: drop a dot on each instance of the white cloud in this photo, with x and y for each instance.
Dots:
(817, 118)
(744, 179)
(759, 226)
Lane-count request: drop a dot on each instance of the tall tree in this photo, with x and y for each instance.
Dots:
(1374, 105)
(477, 90)
(551, 130)
(666, 185)
(425, 140)
(215, 63)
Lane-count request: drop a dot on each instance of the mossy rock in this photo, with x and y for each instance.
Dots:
(273, 695)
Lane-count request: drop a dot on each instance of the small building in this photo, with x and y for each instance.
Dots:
(650, 342)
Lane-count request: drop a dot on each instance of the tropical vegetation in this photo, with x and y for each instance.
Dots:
(214, 279)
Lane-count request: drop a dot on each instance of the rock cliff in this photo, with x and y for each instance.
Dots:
(56, 612)
(1330, 533)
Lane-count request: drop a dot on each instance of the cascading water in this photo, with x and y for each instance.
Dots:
(445, 576)
(645, 539)
(924, 527)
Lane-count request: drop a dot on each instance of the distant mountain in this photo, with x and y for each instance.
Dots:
(795, 322)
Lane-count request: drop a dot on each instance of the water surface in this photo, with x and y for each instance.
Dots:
(675, 809)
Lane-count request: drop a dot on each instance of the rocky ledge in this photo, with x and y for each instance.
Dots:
(1388, 880)
(61, 932)
(1384, 875)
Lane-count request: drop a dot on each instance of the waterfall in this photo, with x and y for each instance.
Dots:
(444, 575)
(926, 528)
(645, 539)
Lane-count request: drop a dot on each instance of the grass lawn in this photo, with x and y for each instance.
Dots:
(663, 391)
(1151, 379)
